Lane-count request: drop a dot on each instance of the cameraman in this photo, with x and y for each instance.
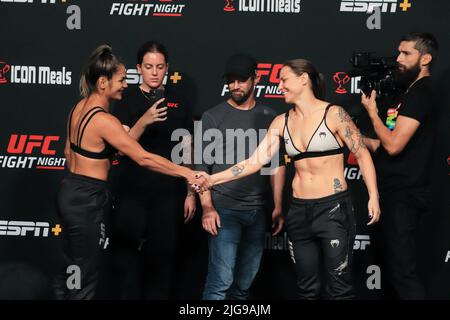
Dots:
(403, 152)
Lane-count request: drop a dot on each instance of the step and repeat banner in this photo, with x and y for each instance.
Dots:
(45, 43)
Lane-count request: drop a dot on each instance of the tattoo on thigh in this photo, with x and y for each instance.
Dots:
(236, 170)
(337, 185)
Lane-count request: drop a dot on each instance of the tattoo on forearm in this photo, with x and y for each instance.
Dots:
(236, 170)
(343, 116)
(337, 185)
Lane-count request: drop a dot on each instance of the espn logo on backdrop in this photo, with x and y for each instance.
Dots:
(361, 242)
(134, 77)
(268, 84)
(33, 151)
(28, 228)
(155, 8)
(386, 6)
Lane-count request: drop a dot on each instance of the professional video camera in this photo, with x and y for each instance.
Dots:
(376, 73)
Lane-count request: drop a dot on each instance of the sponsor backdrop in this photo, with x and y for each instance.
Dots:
(46, 42)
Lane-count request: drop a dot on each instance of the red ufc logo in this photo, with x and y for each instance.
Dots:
(172, 105)
(271, 70)
(23, 143)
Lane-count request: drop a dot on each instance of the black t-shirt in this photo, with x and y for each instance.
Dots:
(236, 127)
(411, 167)
(157, 138)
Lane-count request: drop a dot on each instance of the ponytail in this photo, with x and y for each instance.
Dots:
(101, 62)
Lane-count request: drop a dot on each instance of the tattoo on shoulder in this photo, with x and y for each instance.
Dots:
(343, 116)
(337, 185)
(237, 170)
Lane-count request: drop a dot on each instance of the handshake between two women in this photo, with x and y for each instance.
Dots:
(200, 182)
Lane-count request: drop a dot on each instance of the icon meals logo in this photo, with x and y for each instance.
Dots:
(160, 8)
(34, 75)
(270, 6)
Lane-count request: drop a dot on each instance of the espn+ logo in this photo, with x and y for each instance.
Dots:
(26, 228)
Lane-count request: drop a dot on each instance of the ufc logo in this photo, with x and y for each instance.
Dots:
(172, 105)
(270, 70)
(25, 144)
(361, 241)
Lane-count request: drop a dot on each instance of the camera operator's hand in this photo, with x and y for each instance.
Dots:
(369, 103)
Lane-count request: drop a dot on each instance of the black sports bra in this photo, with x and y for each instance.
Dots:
(322, 142)
(108, 152)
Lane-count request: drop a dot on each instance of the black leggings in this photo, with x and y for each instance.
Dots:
(322, 229)
(84, 204)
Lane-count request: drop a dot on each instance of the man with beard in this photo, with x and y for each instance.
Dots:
(402, 155)
(233, 213)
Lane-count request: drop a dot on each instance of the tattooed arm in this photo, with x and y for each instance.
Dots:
(352, 137)
(265, 151)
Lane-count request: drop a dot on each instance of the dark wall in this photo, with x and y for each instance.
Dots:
(33, 111)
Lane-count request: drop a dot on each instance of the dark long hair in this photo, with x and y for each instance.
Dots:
(102, 62)
(300, 66)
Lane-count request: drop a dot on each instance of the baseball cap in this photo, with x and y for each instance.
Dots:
(241, 65)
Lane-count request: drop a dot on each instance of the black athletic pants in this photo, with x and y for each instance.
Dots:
(84, 204)
(321, 234)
